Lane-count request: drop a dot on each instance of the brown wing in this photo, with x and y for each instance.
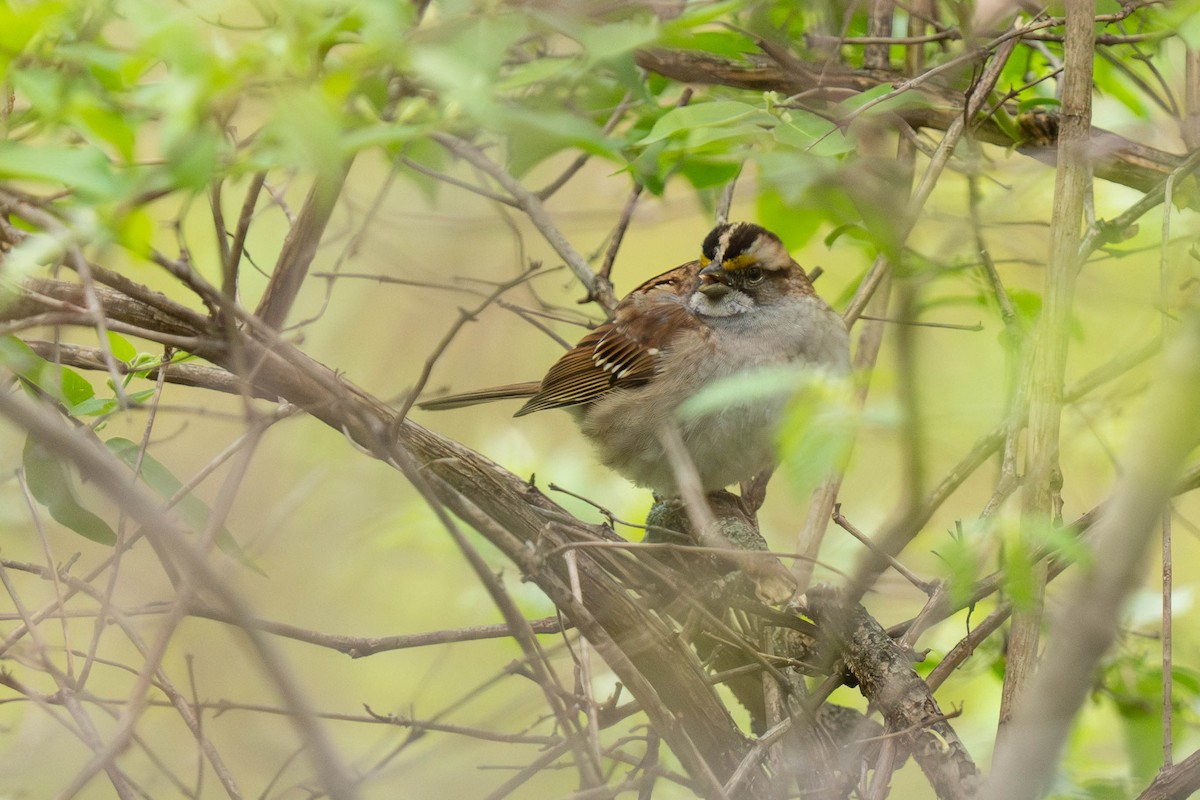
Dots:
(625, 351)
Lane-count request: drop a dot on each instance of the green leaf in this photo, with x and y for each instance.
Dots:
(874, 104)
(466, 61)
(1112, 82)
(84, 170)
(727, 43)
(536, 135)
(192, 157)
(44, 89)
(537, 71)
(1141, 729)
(717, 113)
(35, 250)
(121, 348)
(812, 134)
(706, 173)
(847, 229)
(1018, 576)
(95, 407)
(102, 125)
(134, 229)
(793, 174)
(21, 22)
(75, 388)
(52, 485)
(61, 383)
(305, 132)
(194, 511)
(1007, 125)
(794, 225)
(1037, 102)
(963, 562)
(731, 139)
(607, 42)
(1022, 545)
(742, 389)
(18, 357)
(818, 427)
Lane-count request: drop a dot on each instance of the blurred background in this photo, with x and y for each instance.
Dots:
(343, 546)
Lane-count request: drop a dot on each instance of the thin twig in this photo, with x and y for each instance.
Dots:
(599, 289)
(840, 520)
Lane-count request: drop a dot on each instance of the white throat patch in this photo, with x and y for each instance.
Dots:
(733, 303)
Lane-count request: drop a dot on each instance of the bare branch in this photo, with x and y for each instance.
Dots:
(597, 287)
(1083, 631)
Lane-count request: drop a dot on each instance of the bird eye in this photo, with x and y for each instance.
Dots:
(754, 275)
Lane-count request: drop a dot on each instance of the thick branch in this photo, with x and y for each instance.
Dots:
(300, 247)
(653, 662)
(1168, 429)
(1176, 782)
(1117, 159)
(885, 676)
(1041, 498)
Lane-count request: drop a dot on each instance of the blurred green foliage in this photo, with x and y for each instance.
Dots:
(122, 116)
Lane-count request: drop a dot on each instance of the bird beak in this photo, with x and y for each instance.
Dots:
(714, 282)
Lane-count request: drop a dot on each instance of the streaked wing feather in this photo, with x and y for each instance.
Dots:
(574, 379)
(618, 354)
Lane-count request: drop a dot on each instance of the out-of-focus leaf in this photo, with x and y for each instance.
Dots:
(135, 231)
(741, 389)
(963, 562)
(194, 511)
(429, 155)
(536, 71)
(1112, 82)
(95, 407)
(44, 89)
(1141, 728)
(794, 225)
(35, 250)
(193, 158)
(873, 97)
(718, 113)
(52, 485)
(819, 424)
(818, 429)
(606, 42)
(82, 169)
(384, 135)
(17, 356)
(724, 138)
(793, 174)
(813, 135)
(535, 135)
(649, 169)
(1038, 102)
(305, 132)
(1023, 544)
(465, 61)
(847, 229)
(63, 384)
(727, 43)
(102, 124)
(706, 173)
(99, 406)
(20, 22)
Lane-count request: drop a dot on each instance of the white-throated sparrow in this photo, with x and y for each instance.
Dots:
(744, 304)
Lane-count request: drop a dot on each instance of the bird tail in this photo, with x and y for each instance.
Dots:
(511, 391)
